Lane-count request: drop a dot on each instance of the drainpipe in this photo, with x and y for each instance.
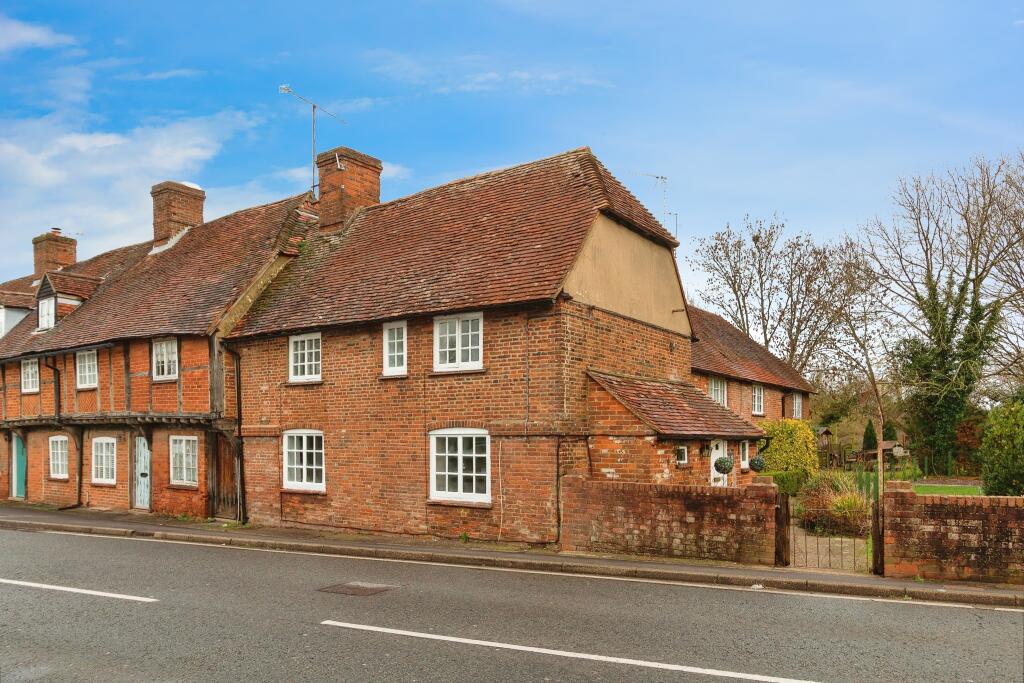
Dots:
(57, 415)
(239, 459)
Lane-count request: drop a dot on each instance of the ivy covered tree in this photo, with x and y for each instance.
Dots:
(941, 264)
(870, 442)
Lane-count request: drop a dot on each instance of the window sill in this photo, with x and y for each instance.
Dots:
(461, 504)
(444, 373)
(183, 487)
(165, 380)
(53, 478)
(404, 375)
(30, 393)
(104, 484)
(81, 389)
(304, 492)
(303, 382)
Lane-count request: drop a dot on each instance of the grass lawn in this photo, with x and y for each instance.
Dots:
(946, 490)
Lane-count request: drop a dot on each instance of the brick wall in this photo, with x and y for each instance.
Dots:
(953, 537)
(734, 524)
(376, 430)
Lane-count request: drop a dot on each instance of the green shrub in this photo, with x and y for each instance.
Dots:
(788, 482)
(1002, 451)
(908, 470)
(835, 482)
(791, 446)
(849, 514)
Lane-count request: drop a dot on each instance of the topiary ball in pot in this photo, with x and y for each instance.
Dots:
(723, 465)
(757, 463)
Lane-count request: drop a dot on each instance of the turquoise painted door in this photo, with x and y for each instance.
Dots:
(20, 470)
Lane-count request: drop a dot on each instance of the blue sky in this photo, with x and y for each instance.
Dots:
(809, 110)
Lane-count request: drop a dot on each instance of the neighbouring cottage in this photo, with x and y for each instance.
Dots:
(435, 364)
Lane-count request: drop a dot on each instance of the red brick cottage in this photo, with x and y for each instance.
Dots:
(434, 364)
(113, 385)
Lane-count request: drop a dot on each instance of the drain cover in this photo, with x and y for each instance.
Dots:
(357, 588)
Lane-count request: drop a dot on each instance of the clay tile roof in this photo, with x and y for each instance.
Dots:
(73, 284)
(674, 408)
(16, 299)
(720, 348)
(504, 237)
(183, 290)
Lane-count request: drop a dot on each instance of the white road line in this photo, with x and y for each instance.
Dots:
(83, 591)
(566, 653)
(566, 575)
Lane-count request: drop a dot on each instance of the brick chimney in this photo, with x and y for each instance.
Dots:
(176, 206)
(53, 251)
(348, 180)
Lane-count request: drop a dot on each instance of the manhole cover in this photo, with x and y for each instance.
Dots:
(357, 588)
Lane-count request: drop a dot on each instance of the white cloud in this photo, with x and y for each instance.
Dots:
(57, 171)
(161, 75)
(476, 73)
(1018, 22)
(18, 35)
(394, 171)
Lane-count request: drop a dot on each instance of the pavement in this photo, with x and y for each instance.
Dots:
(89, 607)
(426, 549)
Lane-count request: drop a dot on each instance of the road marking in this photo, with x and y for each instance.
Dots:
(565, 575)
(566, 653)
(83, 591)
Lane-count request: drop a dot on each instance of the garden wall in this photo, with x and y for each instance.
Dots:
(978, 538)
(713, 523)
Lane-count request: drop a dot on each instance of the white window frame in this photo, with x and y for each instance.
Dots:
(757, 399)
(30, 376)
(47, 312)
(105, 441)
(292, 485)
(798, 406)
(392, 352)
(58, 457)
(712, 382)
(164, 346)
(459, 496)
(306, 363)
(744, 455)
(82, 381)
(459, 364)
(685, 459)
(183, 441)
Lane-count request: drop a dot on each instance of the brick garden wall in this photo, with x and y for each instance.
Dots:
(953, 537)
(734, 524)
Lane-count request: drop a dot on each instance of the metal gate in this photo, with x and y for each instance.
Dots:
(803, 539)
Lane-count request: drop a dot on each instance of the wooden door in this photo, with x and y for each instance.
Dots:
(225, 492)
(142, 473)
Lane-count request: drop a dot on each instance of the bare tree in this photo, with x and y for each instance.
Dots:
(944, 265)
(779, 290)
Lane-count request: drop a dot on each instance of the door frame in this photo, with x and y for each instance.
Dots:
(135, 474)
(712, 457)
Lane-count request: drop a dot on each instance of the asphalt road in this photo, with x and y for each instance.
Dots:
(229, 614)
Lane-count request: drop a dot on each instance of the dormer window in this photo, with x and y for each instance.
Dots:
(47, 313)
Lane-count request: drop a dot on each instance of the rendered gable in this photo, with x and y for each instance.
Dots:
(621, 271)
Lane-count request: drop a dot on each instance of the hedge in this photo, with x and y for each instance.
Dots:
(788, 482)
(1002, 451)
(791, 446)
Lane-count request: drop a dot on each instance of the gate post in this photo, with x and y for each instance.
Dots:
(877, 538)
(782, 535)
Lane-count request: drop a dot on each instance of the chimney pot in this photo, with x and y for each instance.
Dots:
(176, 206)
(349, 180)
(53, 251)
